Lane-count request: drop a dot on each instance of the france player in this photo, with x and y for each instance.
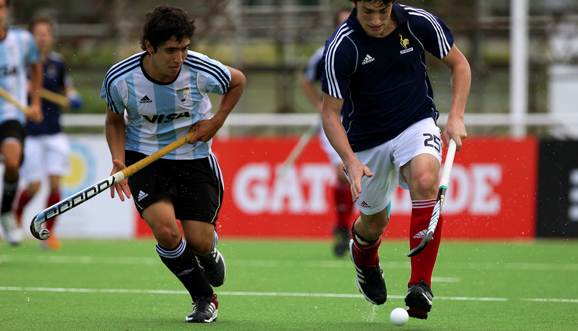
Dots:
(341, 194)
(164, 90)
(46, 147)
(375, 77)
(18, 52)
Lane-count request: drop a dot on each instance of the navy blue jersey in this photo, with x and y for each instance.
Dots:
(383, 81)
(54, 80)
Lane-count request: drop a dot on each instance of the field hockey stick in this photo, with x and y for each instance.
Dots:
(433, 222)
(55, 97)
(92, 191)
(299, 147)
(9, 98)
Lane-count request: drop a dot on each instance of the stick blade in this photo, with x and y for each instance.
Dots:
(422, 245)
(37, 231)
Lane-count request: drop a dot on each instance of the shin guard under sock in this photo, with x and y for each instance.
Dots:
(422, 265)
(181, 261)
(8, 195)
(365, 251)
(53, 198)
(344, 204)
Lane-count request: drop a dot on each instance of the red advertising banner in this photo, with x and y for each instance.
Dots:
(491, 195)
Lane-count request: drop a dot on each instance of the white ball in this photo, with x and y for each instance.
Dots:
(399, 316)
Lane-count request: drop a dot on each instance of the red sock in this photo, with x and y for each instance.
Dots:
(22, 202)
(365, 251)
(422, 265)
(344, 204)
(53, 198)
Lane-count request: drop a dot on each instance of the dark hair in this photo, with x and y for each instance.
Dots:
(164, 23)
(383, 2)
(40, 19)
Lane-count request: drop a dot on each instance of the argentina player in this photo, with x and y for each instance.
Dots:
(18, 53)
(163, 91)
(375, 78)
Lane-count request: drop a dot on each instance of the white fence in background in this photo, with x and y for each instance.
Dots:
(288, 120)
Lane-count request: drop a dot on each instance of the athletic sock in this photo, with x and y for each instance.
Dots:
(53, 198)
(8, 195)
(344, 204)
(365, 251)
(181, 261)
(422, 265)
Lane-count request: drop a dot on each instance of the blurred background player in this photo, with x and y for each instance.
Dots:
(341, 192)
(18, 53)
(163, 91)
(46, 147)
(379, 115)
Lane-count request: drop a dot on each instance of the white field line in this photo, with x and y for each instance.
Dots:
(291, 263)
(271, 294)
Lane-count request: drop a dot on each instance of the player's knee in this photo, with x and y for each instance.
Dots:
(167, 237)
(203, 246)
(424, 186)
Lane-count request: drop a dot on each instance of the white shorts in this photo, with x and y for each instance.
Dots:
(326, 146)
(385, 161)
(44, 155)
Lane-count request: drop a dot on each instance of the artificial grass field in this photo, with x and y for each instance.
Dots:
(286, 285)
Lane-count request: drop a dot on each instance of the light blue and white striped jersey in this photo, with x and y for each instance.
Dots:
(157, 114)
(17, 51)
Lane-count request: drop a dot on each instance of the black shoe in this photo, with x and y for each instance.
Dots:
(213, 267)
(341, 241)
(416, 313)
(420, 298)
(369, 280)
(205, 310)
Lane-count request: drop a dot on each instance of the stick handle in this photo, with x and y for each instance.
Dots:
(448, 163)
(129, 171)
(9, 98)
(299, 147)
(55, 97)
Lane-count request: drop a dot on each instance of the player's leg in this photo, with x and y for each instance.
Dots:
(31, 172)
(368, 229)
(197, 204)
(153, 189)
(55, 163)
(11, 147)
(342, 198)
(420, 157)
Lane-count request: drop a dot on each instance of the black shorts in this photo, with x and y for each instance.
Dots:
(12, 129)
(195, 186)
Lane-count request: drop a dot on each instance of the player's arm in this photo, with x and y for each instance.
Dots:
(36, 79)
(331, 117)
(115, 137)
(311, 92)
(460, 81)
(207, 129)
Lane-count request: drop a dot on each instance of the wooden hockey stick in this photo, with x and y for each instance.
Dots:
(433, 223)
(9, 98)
(90, 192)
(55, 97)
(299, 147)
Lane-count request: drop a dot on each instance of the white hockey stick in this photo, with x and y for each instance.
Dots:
(299, 147)
(433, 222)
(90, 192)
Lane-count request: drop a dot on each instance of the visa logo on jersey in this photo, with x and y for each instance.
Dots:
(168, 118)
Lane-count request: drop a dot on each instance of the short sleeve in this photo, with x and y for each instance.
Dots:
(33, 54)
(339, 65)
(214, 76)
(432, 32)
(113, 96)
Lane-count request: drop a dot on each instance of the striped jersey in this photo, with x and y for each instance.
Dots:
(384, 81)
(159, 113)
(17, 51)
(55, 80)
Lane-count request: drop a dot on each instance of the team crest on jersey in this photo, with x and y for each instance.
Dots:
(183, 94)
(404, 42)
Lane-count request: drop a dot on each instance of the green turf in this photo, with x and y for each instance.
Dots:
(284, 285)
